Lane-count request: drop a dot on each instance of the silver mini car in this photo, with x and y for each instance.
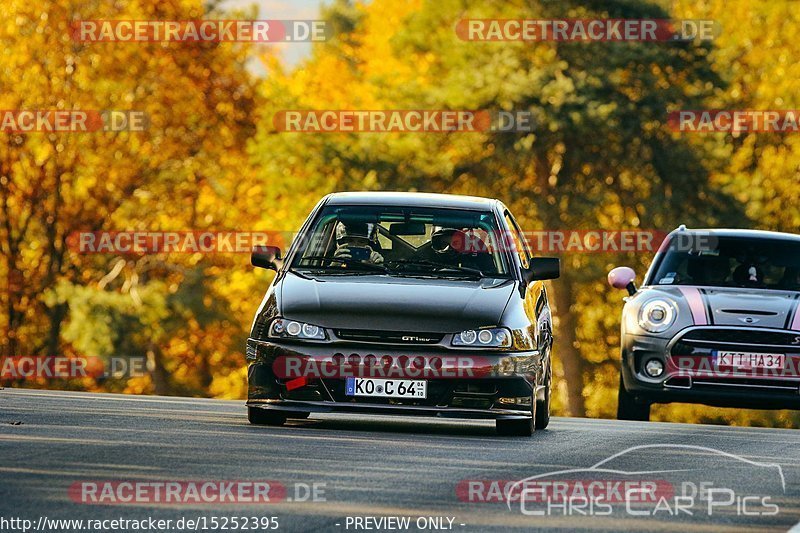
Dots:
(716, 322)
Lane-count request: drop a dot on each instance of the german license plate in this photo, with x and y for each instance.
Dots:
(749, 359)
(386, 388)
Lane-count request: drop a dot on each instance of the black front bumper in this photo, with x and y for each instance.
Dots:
(699, 383)
(744, 394)
(383, 409)
(499, 379)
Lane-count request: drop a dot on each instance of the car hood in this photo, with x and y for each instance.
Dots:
(730, 306)
(379, 302)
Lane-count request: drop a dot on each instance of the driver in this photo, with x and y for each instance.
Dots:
(448, 242)
(749, 274)
(359, 241)
(459, 248)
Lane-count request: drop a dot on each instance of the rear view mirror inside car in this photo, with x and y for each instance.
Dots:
(407, 228)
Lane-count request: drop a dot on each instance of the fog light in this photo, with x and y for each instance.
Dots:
(654, 368)
(523, 400)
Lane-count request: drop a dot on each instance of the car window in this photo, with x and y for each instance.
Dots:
(403, 240)
(733, 262)
(520, 246)
(385, 242)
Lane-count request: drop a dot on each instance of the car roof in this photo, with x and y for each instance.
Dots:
(752, 233)
(411, 199)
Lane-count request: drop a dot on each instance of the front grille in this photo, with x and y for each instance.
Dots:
(746, 384)
(741, 384)
(260, 327)
(743, 336)
(388, 337)
(250, 351)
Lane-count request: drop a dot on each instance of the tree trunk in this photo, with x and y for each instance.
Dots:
(56, 314)
(158, 374)
(10, 344)
(566, 346)
(205, 372)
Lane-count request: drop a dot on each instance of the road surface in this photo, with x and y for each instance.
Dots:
(437, 474)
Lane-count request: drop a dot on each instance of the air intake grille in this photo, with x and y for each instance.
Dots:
(744, 336)
(388, 337)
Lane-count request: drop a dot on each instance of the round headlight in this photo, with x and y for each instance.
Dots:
(654, 368)
(469, 336)
(657, 315)
(310, 330)
(485, 336)
(293, 329)
(277, 327)
(502, 338)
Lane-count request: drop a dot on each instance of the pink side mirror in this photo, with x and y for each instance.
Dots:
(622, 278)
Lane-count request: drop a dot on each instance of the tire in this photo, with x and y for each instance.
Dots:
(630, 409)
(265, 417)
(542, 418)
(518, 428)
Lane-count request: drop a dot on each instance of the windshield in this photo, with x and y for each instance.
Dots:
(403, 241)
(733, 262)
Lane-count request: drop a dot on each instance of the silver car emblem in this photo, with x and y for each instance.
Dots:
(796, 340)
(414, 338)
(749, 320)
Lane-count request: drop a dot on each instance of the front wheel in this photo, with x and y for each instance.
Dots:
(543, 408)
(628, 408)
(265, 417)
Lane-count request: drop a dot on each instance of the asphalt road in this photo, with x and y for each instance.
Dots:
(378, 467)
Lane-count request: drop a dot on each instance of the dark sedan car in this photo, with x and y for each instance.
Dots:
(409, 304)
(716, 321)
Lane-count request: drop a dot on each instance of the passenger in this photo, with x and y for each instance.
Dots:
(358, 241)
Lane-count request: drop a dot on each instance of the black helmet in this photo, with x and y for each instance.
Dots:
(346, 231)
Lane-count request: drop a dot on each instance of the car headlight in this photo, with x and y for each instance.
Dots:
(282, 328)
(483, 338)
(657, 315)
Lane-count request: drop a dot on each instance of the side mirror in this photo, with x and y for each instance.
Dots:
(542, 268)
(265, 257)
(622, 278)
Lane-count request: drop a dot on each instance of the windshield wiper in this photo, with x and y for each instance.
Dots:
(344, 261)
(436, 267)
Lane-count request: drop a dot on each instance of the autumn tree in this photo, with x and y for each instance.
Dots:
(186, 171)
